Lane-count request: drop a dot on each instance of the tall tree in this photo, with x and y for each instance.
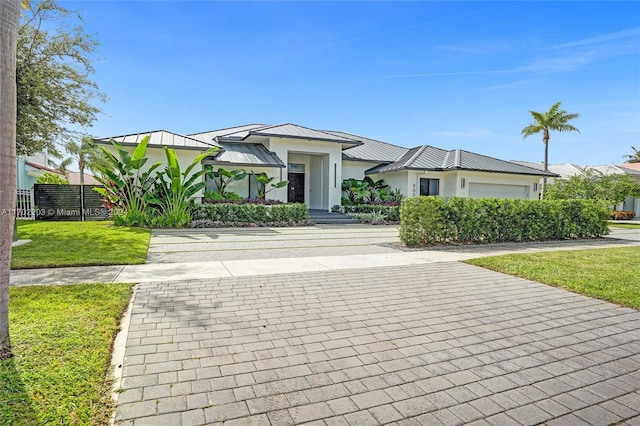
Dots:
(556, 120)
(55, 93)
(633, 157)
(87, 154)
(9, 15)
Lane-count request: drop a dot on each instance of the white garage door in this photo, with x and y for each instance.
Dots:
(487, 190)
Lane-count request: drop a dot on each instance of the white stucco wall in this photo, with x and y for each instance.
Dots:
(395, 180)
(157, 154)
(447, 182)
(327, 174)
(355, 169)
(497, 178)
(450, 182)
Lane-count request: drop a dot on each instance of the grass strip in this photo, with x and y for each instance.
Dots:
(61, 338)
(624, 225)
(56, 244)
(609, 274)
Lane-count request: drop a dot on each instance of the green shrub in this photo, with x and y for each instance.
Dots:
(52, 178)
(438, 220)
(217, 196)
(387, 213)
(229, 214)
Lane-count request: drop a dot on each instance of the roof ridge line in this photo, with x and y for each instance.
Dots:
(445, 159)
(414, 156)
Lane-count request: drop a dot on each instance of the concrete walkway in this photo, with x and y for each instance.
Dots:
(203, 254)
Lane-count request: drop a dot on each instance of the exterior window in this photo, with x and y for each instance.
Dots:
(429, 186)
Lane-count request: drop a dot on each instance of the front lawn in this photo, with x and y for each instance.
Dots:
(608, 274)
(56, 244)
(61, 338)
(624, 225)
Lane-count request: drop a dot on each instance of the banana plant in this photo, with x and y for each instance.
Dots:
(262, 179)
(175, 188)
(223, 178)
(125, 183)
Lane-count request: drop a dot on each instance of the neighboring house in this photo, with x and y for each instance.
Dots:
(30, 168)
(315, 162)
(74, 178)
(565, 171)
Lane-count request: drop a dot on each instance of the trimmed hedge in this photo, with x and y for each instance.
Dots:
(391, 212)
(438, 220)
(229, 214)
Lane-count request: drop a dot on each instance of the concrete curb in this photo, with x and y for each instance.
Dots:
(118, 352)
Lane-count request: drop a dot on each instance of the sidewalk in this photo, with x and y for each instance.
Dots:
(154, 272)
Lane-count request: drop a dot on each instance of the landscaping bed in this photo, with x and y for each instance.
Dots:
(230, 214)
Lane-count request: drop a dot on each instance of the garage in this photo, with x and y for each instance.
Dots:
(490, 190)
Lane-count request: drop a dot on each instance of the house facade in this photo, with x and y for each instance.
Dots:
(315, 162)
(28, 169)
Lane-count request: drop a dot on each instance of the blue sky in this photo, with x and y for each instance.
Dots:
(448, 74)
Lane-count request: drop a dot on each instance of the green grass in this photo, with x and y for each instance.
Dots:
(607, 274)
(61, 338)
(56, 244)
(624, 225)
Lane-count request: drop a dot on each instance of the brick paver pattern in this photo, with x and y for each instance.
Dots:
(431, 344)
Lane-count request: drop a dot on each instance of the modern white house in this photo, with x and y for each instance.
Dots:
(315, 162)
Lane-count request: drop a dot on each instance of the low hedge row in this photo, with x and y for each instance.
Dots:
(391, 213)
(227, 214)
(438, 220)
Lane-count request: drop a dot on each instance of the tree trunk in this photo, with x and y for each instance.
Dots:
(81, 168)
(9, 15)
(545, 139)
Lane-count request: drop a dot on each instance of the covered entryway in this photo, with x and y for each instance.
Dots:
(491, 190)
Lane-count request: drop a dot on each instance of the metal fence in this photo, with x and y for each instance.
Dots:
(68, 202)
(24, 204)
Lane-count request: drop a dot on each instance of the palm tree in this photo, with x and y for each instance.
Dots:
(87, 154)
(9, 15)
(633, 158)
(555, 119)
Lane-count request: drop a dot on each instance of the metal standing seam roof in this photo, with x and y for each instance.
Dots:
(246, 154)
(371, 149)
(212, 135)
(288, 130)
(161, 138)
(431, 158)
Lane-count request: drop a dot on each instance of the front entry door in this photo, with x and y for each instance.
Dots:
(296, 187)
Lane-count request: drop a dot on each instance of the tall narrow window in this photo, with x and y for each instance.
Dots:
(429, 186)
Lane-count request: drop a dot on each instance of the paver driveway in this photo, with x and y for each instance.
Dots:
(441, 343)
